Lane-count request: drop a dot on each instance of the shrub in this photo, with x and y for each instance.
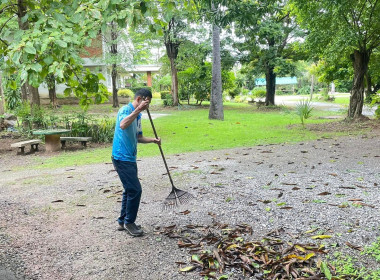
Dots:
(303, 110)
(168, 101)
(375, 101)
(12, 92)
(234, 92)
(304, 90)
(165, 94)
(259, 92)
(241, 98)
(156, 95)
(100, 130)
(125, 92)
(245, 91)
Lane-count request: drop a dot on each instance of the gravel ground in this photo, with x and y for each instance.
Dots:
(61, 224)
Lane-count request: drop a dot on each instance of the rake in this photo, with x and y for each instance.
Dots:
(176, 196)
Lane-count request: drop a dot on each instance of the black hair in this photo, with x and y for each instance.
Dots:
(144, 93)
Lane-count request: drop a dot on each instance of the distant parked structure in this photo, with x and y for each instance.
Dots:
(284, 84)
(279, 81)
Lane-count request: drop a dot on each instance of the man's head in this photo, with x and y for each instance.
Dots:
(143, 94)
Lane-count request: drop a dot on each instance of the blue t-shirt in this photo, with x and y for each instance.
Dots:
(124, 146)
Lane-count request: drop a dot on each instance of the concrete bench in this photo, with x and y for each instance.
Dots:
(21, 145)
(83, 140)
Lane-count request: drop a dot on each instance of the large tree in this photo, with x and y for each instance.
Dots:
(212, 11)
(344, 28)
(41, 38)
(172, 41)
(45, 41)
(269, 38)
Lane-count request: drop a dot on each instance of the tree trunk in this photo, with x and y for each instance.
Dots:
(312, 87)
(115, 99)
(26, 88)
(360, 61)
(172, 47)
(50, 81)
(174, 77)
(216, 102)
(34, 96)
(270, 78)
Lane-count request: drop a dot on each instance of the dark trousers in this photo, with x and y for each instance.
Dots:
(127, 172)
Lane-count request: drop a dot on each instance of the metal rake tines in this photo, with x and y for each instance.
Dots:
(185, 197)
(177, 197)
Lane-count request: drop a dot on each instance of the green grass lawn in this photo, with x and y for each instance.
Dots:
(342, 100)
(190, 130)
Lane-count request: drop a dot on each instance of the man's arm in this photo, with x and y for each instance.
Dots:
(145, 140)
(131, 117)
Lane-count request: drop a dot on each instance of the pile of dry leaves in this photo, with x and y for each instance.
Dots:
(218, 250)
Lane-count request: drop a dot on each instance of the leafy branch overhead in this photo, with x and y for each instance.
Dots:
(49, 36)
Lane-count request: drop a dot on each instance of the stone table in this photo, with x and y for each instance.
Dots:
(52, 138)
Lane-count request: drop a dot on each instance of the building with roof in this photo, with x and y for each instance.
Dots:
(93, 59)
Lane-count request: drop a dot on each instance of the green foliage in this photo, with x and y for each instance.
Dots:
(325, 96)
(303, 110)
(259, 92)
(52, 36)
(84, 125)
(12, 94)
(162, 83)
(241, 98)
(168, 101)
(196, 81)
(30, 117)
(343, 85)
(125, 92)
(266, 28)
(373, 250)
(234, 92)
(196, 133)
(228, 80)
(165, 94)
(375, 101)
(346, 267)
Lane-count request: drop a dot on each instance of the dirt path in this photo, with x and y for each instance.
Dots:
(61, 224)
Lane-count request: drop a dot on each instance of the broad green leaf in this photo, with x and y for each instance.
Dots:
(67, 91)
(16, 57)
(13, 85)
(326, 271)
(24, 75)
(48, 60)
(195, 258)
(36, 67)
(61, 43)
(101, 77)
(30, 49)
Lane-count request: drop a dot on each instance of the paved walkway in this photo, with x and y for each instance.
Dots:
(292, 100)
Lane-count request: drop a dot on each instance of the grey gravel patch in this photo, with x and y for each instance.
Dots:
(6, 274)
(241, 185)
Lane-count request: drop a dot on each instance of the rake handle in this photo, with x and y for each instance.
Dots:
(159, 146)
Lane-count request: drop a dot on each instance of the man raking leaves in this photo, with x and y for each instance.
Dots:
(128, 133)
